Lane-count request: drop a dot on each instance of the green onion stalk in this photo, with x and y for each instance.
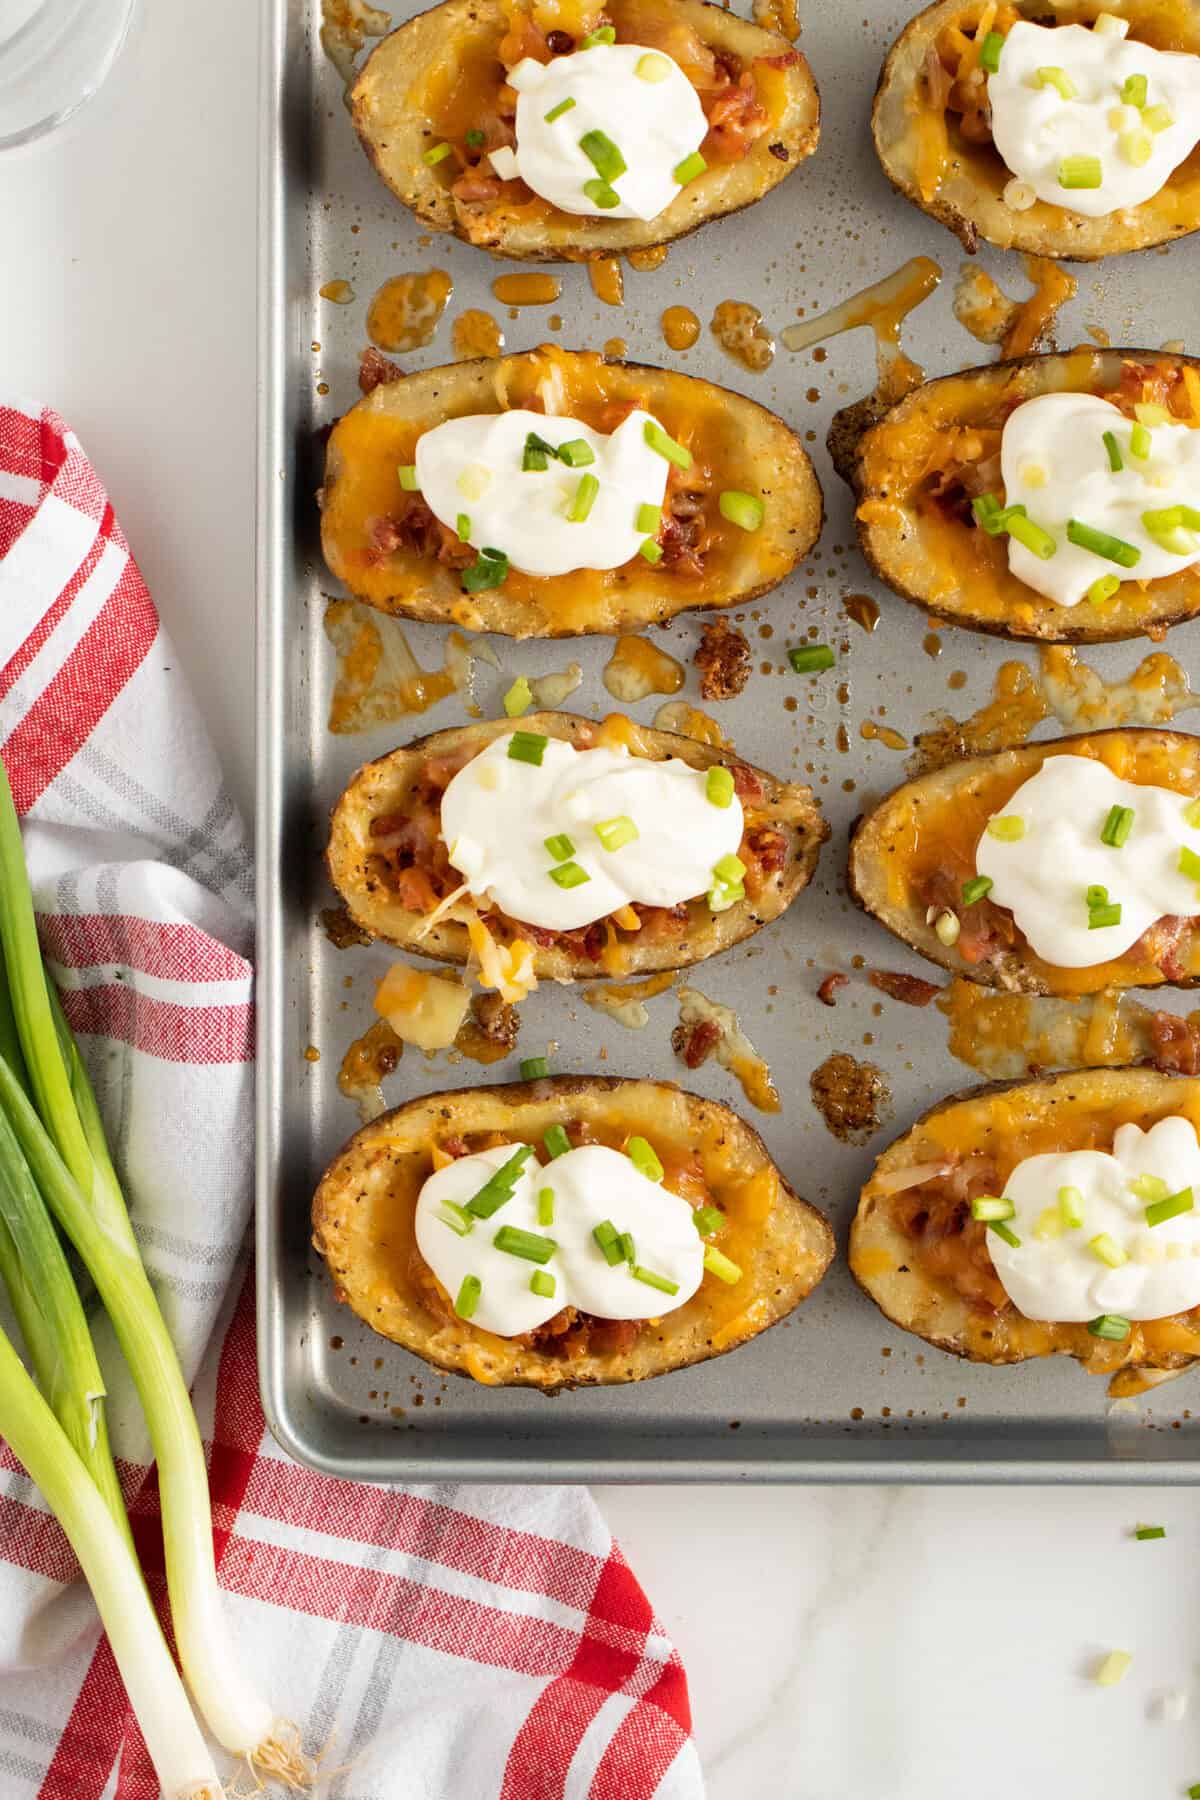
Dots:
(58, 1129)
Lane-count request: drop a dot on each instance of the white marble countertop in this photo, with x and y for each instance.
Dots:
(913, 1644)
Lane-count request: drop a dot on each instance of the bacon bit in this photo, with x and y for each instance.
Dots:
(736, 117)
(412, 527)
(523, 38)
(910, 989)
(786, 59)
(376, 370)
(476, 187)
(951, 1244)
(694, 1044)
(746, 784)
(828, 989)
(455, 1146)
(723, 658)
(497, 1019)
(1162, 943)
(1176, 1044)
(779, 152)
(986, 931)
(416, 891)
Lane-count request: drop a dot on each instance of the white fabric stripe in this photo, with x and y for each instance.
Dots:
(593, 1744)
(38, 568)
(24, 489)
(155, 987)
(79, 616)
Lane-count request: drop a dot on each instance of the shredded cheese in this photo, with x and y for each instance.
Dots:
(506, 967)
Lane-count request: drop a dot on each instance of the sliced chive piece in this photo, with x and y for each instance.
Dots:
(1103, 543)
(1100, 918)
(468, 1296)
(1070, 1207)
(528, 1245)
(1006, 1232)
(456, 1217)
(1137, 147)
(1034, 537)
(1107, 1250)
(1116, 461)
(1173, 1207)
(614, 834)
(1103, 589)
(519, 698)
(556, 1140)
(988, 514)
(708, 1219)
(1143, 1534)
(545, 1206)
(437, 154)
(689, 168)
(975, 889)
(641, 1155)
(1006, 828)
(811, 659)
(527, 747)
(559, 847)
(609, 1240)
(603, 34)
(1111, 1326)
(1057, 78)
(534, 459)
(651, 551)
(601, 195)
(1149, 1187)
(463, 527)
(718, 786)
(1117, 827)
(1165, 526)
(556, 112)
(1080, 172)
(989, 52)
(1140, 442)
(497, 1190)
(475, 139)
(577, 453)
(1157, 118)
(628, 1247)
(534, 1068)
(663, 1283)
(720, 1265)
(1133, 91)
(721, 896)
(744, 510)
(569, 875)
(408, 477)
(665, 445)
(583, 501)
(1193, 1792)
(543, 1284)
(648, 518)
(653, 67)
(1191, 814)
(989, 1207)
(603, 155)
(489, 570)
(1096, 895)
(729, 868)
(1189, 864)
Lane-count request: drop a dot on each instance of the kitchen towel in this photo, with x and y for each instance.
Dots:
(448, 1643)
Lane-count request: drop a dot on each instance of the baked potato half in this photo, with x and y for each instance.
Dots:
(916, 471)
(363, 1226)
(384, 542)
(784, 833)
(922, 1258)
(933, 138)
(910, 856)
(443, 74)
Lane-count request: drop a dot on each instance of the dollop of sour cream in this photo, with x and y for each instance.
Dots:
(1056, 464)
(470, 469)
(1056, 1274)
(1043, 875)
(590, 1185)
(498, 813)
(639, 99)
(1035, 126)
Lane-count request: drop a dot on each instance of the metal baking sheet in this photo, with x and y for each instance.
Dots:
(834, 1393)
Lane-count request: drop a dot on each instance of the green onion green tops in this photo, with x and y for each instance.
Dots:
(1117, 826)
(1080, 172)
(584, 499)
(489, 570)
(990, 51)
(556, 1140)
(718, 786)
(811, 659)
(519, 698)
(1111, 1326)
(720, 1265)
(528, 1245)
(665, 445)
(661, 1282)
(614, 834)
(468, 1296)
(689, 168)
(976, 889)
(497, 1191)
(603, 155)
(543, 1284)
(560, 847)
(744, 510)
(641, 1155)
(1173, 1207)
(1102, 543)
(1143, 1534)
(569, 875)
(708, 1219)
(556, 112)
(437, 154)
(602, 194)
(534, 1068)
(527, 747)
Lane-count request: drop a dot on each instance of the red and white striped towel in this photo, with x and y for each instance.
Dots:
(439, 1643)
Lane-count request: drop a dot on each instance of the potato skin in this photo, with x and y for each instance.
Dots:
(365, 1234)
(378, 788)
(360, 480)
(395, 133)
(876, 844)
(880, 1254)
(896, 542)
(967, 198)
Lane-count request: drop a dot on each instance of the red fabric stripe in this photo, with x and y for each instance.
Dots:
(34, 1540)
(239, 1420)
(647, 1741)
(50, 619)
(174, 952)
(68, 710)
(21, 446)
(87, 1749)
(164, 1028)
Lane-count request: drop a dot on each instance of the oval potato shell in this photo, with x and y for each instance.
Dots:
(947, 567)
(380, 787)
(395, 131)
(363, 1226)
(881, 1258)
(966, 195)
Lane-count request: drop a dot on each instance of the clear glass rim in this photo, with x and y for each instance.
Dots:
(97, 76)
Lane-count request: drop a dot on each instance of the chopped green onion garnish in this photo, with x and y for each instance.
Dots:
(1106, 1248)
(1116, 461)
(408, 477)
(601, 194)
(1165, 526)
(648, 518)
(497, 1190)
(609, 1240)
(556, 112)
(1111, 1326)
(1101, 917)
(1102, 543)
(534, 1068)
(1096, 895)
(1133, 91)
(1103, 589)
(722, 896)
(463, 527)
(603, 34)
(1137, 147)
(1057, 78)
(1070, 1207)
(720, 1265)
(1080, 172)
(527, 747)
(438, 154)
(559, 847)
(708, 1219)
(689, 168)
(1149, 412)
(1034, 537)
(584, 500)
(468, 1296)
(489, 570)
(718, 786)
(535, 458)
(603, 155)
(1149, 1187)
(456, 1217)
(975, 889)
(569, 875)
(729, 868)
(1191, 815)
(992, 1206)
(556, 1140)
(628, 1247)
(665, 445)
(641, 1155)
(811, 659)
(528, 1245)
(1117, 826)
(543, 1284)
(1143, 1534)
(1009, 828)
(577, 453)
(476, 139)
(1157, 118)
(746, 510)
(1140, 442)
(650, 550)
(1189, 864)
(652, 67)
(1193, 1792)
(1171, 1208)
(614, 834)
(661, 1282)
(989, 515)
(989, 52)
(545, 1206)
(519, 698)
(1113, 1668)
(1006, 1232)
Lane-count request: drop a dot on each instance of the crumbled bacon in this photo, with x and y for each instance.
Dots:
(985, 931)
(411, 527)
(910, 989)
(723, 658)
(1176, 1044)
(827, 992)
(694, 1044)
(1162, 945)
(375, 370)
(499, 1021)
(523, 38)
(736, 117)
(746, 784)
(951, 1245)
(474, 186)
